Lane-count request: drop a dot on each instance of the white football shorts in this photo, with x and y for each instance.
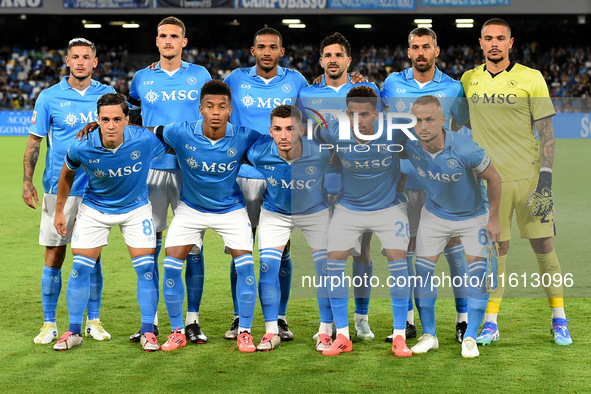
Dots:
(252, 190)
(164, 188)
(189, 225)
(275, 228)
(415, 200)
(434, 233)
(92, 228)
(48, 235)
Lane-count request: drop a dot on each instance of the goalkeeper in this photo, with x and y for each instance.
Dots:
(508, 102)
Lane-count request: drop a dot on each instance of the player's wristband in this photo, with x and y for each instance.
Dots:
(544, 179)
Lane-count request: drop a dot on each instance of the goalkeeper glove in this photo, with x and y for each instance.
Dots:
(541, 199)
(492, 268)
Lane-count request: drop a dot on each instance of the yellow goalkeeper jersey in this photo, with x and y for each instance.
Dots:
(503, 110)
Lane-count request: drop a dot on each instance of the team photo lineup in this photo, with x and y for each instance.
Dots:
(338, 157)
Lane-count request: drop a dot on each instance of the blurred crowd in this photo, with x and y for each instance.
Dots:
(24, 73)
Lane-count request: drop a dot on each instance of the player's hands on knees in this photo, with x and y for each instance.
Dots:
(60, 224)
(357, 77)
(494, 230)
(90, 127)
(30, 194)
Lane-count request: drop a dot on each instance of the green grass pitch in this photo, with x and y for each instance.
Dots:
(525, 359)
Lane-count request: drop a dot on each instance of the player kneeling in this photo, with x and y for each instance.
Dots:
(116, 160)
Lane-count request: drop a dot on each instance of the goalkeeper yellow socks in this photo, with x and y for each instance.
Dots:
(494, 303)
(548, 264)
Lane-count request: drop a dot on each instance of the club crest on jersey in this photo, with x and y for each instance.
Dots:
(71, 119)
(231, 152)
(512, 84)
(247, 100)
(192, 163)
(192, 80)
(135, 155)
(440, 94)
(286, 88)
(151, 96)
(310, 170)
(452, 163)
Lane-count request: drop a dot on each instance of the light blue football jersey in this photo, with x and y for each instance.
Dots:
(60, 113)
(370, 172)
(210, 167)
(292, 188)
(253, 99)
(453, 191)
(166, 99)
(414, 180)
(117, 181)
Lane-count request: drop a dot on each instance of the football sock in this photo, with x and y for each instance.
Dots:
(410, 317)
(233, 277)
(157, 250)
(338, 293)
(285, 281)
(320, 257)
(458, 267)
(269, 290)
(460, 317)
(246, 289)
(325, 328)
(157, 271)
(194, 277)
(426, 294)
(399, 292)
(271, 326)
(78, 291)
(147, 327)
(397, 332)
(548, 264)
(96, 291)
(558, 313)
(361, 317)
(490, 317)
(362, 274)
(192, 317)
(146, 288)
(477, 297)
(243, 329)
(344, 331)
(173, 290)
(494, 303)
(411, 272)
(282, 317)
(51, 286)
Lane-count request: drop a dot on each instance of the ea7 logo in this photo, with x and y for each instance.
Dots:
(399, 90)
(244, 86)
(65, 104)
(148, 82)
(191, 148)
(93, 161)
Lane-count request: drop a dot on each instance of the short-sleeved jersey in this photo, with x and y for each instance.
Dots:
(370, 172)
(60, 112)
(450, 177)
(253, 99)
(210, 167)
(503, 110)
(167, 98)
(413, 180)
(117, 179)
(400, 91)
(293, 188)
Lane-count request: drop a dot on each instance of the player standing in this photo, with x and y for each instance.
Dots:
(256, 91)
(170, 93)
(451, 166)
(399, 92)
(293, 168)
(210, 152)
(59, 113)
(508, 102)
(116, 161)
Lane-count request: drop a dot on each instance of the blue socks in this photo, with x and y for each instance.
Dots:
(456, 259)
(362, 293)
(477, 297)
(157, 266)
(96, 291)
(399, 292)
(246, 288)
(174, 291)
(338, 292)
(320, 257)
(285, 281)
(233, 277)
(269, 290)
(146, 290)
(78, 291)
(411, 272)
(51, 286)
(194, 276)
(425, 295)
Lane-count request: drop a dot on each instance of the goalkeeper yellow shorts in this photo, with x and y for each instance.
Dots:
(514, 196)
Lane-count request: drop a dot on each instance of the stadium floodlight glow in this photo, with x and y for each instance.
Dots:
(131, 25)
(464, 25)
(92, 26)
(423, 21)
(425, 25)
(290, 21)
(459, 21)
(297, 26)
(362, 25)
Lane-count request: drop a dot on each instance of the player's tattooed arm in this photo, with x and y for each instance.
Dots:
(29, 163)
(546, 133)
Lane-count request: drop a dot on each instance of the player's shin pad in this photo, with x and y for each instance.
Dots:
(542, 202)
(492, 268)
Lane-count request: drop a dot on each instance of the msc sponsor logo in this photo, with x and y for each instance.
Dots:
(176, 95)
(264, 102)
(495, 98)
(439, 177)
(124, 171)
